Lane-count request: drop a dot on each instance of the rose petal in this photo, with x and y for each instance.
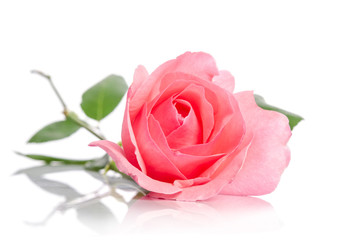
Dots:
(139, 77)
(229, 135)
(139, 90)
(158, 166)
(116, 153)
(166, 114)
(191, 166)
(224, 108)
(129, 142)
(268, 155)
(195, 95)
(226, 172)
(189, 133)
(225, 80)
(191, 182)
(218, 97)
(198, 64)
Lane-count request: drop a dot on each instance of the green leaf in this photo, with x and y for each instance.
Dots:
(294, 119)
(101, 99)
(49, 159)
(55, 131)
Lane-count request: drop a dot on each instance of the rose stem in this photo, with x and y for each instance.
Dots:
(66, 112)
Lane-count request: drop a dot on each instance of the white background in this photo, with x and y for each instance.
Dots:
(303, 56)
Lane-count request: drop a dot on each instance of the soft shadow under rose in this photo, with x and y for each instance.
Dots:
(187, 136)
(220, 214)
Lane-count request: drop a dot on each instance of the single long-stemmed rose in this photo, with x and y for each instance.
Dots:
(185, 135)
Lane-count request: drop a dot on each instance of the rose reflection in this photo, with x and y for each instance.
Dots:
(222, 214)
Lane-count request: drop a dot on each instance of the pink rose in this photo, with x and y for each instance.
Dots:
(186, 136)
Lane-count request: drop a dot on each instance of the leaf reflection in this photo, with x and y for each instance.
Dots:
(90, 211)
(220, 214)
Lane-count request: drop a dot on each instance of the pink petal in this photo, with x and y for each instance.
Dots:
(268, 155)
(226, 172)
(226, 112)
(195, 95)
(116, 153)
(189, 133)
(225, 80)
(191, 182)
(191, 166)
(198, 64)
(139, 90)
(158, 166)
(139, 77)
(166, 114)
(228, 130)
(177, 84)
(129, 142)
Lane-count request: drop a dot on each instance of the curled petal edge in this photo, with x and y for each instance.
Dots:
(117, 154)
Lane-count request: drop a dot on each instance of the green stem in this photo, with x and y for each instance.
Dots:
(68, 114)
(72, 116)
(46, 76)
(107, 168)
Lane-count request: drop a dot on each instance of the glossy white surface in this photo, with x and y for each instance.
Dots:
(303, 56)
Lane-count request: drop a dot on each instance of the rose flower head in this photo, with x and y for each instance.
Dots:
(187, 136)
